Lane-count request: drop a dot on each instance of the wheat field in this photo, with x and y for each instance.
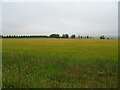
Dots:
(59, 63)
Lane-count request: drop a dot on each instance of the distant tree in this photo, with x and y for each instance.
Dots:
(102, 37)
(65, 36)
(81, 37)
(13, 36)
(9, 36)
(72, 36)
(87, 36)
(54, 36)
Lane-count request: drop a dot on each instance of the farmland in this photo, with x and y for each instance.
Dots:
(59, 63)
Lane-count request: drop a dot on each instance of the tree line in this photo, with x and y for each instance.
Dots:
(25, 36)
(52, 36)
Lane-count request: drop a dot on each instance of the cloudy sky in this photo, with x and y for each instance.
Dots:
(44, 18)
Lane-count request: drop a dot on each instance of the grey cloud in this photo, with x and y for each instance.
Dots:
(91, 18)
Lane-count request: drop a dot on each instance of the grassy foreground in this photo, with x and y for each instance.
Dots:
(59, 63)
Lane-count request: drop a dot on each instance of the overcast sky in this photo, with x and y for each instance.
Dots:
(44, 18)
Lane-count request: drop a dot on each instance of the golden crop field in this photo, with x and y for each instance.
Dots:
(59, 63)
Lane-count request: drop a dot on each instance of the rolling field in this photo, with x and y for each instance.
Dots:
(59, 63)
